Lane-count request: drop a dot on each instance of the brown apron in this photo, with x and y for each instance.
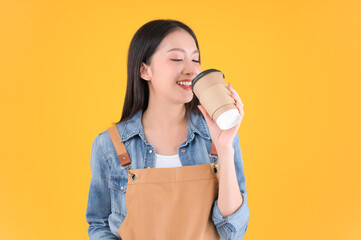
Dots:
(168, 203)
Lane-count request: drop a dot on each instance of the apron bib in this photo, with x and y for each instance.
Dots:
(168, 203)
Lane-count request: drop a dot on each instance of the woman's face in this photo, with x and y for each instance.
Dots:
(175, 59)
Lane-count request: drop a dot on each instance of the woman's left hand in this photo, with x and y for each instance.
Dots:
(223, 139)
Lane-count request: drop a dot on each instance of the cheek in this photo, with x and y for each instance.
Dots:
(170, 72)
(198, 69)
(167, 68)
(165, 75)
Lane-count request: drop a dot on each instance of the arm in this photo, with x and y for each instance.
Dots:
(232, 224)
(99, 205)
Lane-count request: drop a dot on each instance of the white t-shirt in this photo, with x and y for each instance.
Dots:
(163, 161)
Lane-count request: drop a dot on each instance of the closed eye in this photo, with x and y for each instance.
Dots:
(178, 60)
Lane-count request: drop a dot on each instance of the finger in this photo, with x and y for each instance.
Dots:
(204, 112)
(242, 113)
(231, 89)
(235, 94)
(237, 100)
(200, 109)
(239, 106)
(236, 97)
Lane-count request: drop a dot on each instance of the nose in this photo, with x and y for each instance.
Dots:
(191, 68)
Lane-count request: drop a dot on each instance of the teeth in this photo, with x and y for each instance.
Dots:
(185, 83)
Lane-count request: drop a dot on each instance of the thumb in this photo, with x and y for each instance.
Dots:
(201, 108)
(205, 114)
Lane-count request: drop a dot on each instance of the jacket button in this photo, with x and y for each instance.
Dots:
(183, 150)
(121, 188)
(150, 151)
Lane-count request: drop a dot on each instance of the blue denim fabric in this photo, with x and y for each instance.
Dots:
(106, 209)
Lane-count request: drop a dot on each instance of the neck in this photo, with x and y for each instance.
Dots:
(164, 115)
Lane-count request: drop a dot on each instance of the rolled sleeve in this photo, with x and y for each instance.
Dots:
(235, 225)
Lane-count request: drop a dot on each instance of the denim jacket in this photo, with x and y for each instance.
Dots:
(106, 209)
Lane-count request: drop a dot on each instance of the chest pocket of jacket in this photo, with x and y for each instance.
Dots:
(118, 188)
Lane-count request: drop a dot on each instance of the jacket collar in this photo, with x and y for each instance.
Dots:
(133, 126)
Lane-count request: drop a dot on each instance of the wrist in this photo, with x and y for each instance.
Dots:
(224, 150)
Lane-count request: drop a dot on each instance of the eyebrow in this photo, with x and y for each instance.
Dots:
(180, 49)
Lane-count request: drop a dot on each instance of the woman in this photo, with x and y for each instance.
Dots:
(166, 170)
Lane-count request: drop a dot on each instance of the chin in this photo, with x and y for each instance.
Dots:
(189, 99)
(186, 99)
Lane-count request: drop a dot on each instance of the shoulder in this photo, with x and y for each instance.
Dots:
(104, 140)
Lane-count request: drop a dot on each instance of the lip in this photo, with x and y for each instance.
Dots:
(185, 87)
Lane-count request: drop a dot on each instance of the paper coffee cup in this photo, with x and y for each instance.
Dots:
(212, 91)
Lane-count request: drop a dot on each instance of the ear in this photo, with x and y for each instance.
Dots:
(145, 72)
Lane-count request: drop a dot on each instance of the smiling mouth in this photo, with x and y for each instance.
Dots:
(186, 84)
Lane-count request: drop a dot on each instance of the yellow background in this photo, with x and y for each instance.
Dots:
(295, 64)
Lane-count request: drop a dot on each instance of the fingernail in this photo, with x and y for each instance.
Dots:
(229, 84)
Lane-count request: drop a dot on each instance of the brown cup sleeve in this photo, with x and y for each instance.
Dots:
(215, 97)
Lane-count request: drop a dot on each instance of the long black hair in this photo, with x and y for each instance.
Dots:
(142, 46)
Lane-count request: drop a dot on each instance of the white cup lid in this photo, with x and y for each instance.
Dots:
(228, 119)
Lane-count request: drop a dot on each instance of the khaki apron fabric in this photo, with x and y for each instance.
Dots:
(168, 203)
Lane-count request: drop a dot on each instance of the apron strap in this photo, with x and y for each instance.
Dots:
(119, 146)
(122, 152)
